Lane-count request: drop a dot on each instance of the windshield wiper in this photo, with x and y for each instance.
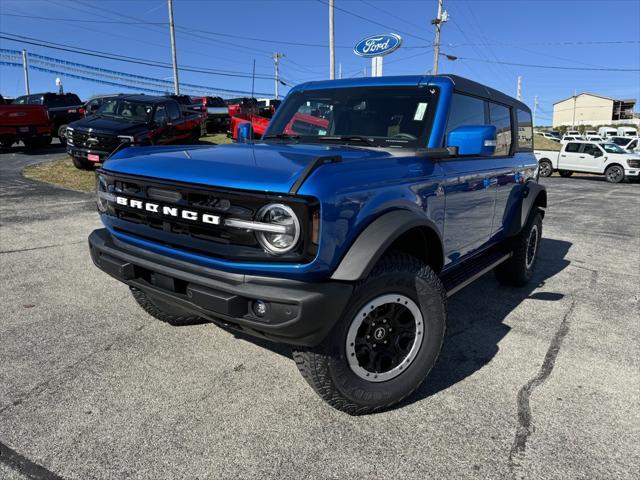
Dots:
(281, 136)
(348, 138)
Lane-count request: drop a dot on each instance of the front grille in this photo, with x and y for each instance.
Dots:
(105, 143)
(211, 239)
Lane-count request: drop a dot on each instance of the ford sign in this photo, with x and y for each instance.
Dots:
(378, 45)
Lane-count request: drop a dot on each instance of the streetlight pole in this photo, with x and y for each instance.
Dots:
(276, 59)
(332, 47)
(176, 85)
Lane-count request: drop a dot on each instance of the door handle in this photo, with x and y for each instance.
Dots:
(581, 156)
(563, 155)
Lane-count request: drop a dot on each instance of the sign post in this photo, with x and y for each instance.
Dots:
(376, 47)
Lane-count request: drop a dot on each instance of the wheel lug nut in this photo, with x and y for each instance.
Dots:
(368, 337)
(384, 321)
(385, 341)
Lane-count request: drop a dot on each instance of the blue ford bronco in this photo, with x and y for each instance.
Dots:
(341, 232)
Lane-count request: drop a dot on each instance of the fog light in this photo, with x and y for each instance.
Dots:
(259, 308)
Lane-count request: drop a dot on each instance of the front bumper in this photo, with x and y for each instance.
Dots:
(97, 156)
(298, 313)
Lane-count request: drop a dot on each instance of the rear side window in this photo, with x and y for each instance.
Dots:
(572, 147)
(464, 111)
(173, 110)
(500, 116)
(525, 131)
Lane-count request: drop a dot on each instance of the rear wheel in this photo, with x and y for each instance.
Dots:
(614, 174)
(195, 135)
(62, 134)
(545, 168)
(518, 270)
(565, 173)
(82, 164)
(385, 344)
(163, 312)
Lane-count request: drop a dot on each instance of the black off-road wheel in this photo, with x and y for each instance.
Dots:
(518, 270)
(565, 173)
(386, 342)
(82, 164)
(164, 312)
(545, 168)
(614, 174)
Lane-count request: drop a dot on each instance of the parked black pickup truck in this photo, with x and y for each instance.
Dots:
(130, 120)
(64, 108)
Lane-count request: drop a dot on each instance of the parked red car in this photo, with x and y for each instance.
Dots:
(27, 123)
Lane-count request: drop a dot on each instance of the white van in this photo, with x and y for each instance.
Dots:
(627, 132)
(605, 132)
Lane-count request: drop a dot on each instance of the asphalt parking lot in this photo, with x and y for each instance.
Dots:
(541, 382)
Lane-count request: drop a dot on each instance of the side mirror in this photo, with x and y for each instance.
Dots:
(597, 153)
(473, 140)
(245, 132)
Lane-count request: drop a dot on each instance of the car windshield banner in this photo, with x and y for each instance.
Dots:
(378, 45)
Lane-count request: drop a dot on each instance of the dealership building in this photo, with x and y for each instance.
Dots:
(595, 110)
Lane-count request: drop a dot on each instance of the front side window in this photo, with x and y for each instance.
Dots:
(160, 117)
(592, 150)
(373, 116)
(465, 110)
(173, 110)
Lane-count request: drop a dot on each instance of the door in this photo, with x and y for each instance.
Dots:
(161, 132)
(590, 159)
(568, 158)
(469, 196)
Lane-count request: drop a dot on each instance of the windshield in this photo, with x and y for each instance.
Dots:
(374, 116)
(126, 109)
(612, 148)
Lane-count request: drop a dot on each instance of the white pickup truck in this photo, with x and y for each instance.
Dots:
(590, 157)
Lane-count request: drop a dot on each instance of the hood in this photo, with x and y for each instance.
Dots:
(108, 126)
(258, 167)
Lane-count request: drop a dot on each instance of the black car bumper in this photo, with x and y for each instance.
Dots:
(92, 155)
(297, 313)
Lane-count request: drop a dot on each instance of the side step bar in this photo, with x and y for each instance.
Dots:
(470, 270)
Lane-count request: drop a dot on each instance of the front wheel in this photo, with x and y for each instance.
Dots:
(82, 164)
(62, 134)
(614, 174)
(545, 168)
(385, 344)
(565, 173)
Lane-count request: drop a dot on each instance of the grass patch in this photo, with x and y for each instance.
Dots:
(219, 138)
(61, 172)
(541, 143)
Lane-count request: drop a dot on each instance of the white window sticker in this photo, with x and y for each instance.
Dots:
(420, 111)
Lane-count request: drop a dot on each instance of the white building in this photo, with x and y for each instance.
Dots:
(595, 110)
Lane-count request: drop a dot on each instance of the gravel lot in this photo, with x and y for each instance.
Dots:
(541, 382)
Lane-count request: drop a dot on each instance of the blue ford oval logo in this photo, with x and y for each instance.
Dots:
(378, 45)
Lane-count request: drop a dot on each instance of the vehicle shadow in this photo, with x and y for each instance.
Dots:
(49, 149)
(475, 320)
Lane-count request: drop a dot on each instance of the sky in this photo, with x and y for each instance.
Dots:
(226, 36)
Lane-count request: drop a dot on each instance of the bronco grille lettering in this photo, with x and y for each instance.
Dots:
(175, 212)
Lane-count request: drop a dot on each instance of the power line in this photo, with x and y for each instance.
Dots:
(551, 67)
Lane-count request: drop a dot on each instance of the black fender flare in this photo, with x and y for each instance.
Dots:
(520, 207)
(374, 241)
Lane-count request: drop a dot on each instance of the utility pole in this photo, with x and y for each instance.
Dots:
(519, 88)
(332, 47)
(340, 70)
(176, 85)
(573, 123)
(535, 107)
(438, 21)
(276, 59)
(253, 77)
(25, 67)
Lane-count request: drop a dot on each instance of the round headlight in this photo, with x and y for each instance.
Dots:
(287, 237)
(101, 190)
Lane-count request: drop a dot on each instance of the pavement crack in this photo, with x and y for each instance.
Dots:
(42, 247)
(525, 424)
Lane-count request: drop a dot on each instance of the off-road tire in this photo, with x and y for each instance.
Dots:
(164, 313)
(195, 135)
(82, 164)
(326, 367)
(545, 168)
(518, 270)
(614, 174)
(565, 173)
